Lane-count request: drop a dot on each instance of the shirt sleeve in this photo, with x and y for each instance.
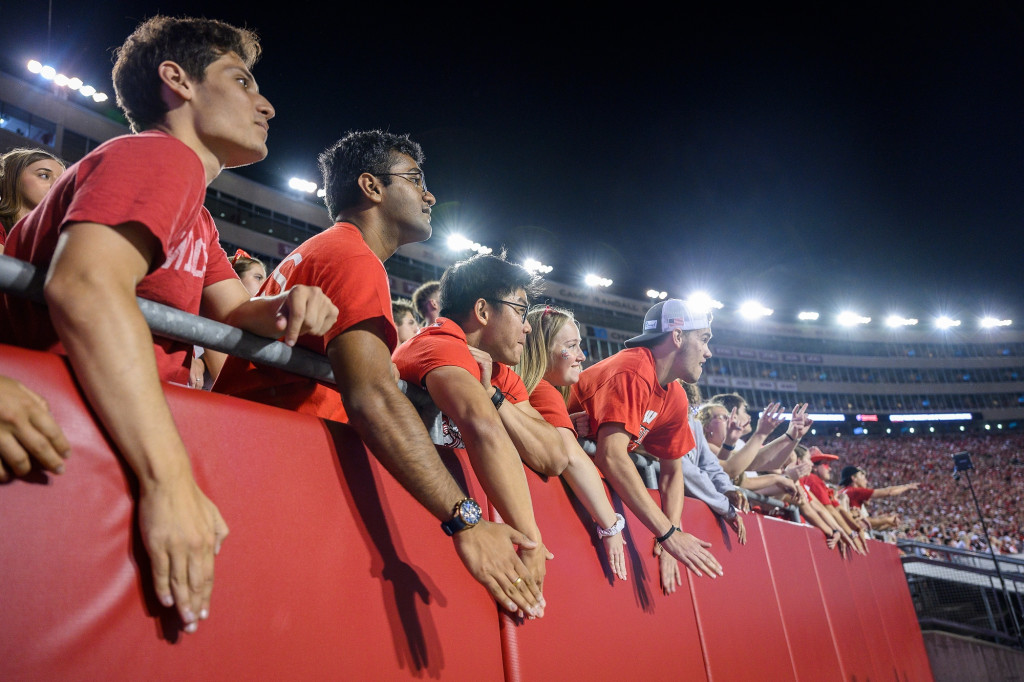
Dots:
(547, 400)
(510, 383)
(698, 485)
(423, 353)
(124, 184)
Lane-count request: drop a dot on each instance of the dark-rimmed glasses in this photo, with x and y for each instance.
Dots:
(515, 306)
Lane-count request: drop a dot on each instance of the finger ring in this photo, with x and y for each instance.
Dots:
(518, 580)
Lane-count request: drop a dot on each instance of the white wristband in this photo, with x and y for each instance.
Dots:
(614, 529)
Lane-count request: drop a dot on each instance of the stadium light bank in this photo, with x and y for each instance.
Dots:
(71, 83)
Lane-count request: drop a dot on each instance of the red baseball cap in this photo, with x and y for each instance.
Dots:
(818, 457)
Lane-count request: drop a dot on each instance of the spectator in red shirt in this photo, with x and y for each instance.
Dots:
(463, 361)
(377, 195)
(854, 484)
(552, 361)
(634, 392)
(135, 205)
(816, 484)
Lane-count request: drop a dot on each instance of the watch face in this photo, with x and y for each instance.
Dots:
(470, 512)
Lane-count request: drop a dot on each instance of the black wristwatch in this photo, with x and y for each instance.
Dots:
(498, 398)
(466, 514)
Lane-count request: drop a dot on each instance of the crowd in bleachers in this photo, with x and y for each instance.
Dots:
(506, 374)
(942, 511)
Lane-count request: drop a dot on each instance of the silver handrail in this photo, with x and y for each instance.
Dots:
(25, 280)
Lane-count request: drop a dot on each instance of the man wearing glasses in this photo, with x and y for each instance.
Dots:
(463, 361)
(376, 194)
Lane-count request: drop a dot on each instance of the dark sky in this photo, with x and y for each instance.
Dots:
(812, 157)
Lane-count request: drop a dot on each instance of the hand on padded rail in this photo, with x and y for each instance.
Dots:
(28, 431)
(182, 530)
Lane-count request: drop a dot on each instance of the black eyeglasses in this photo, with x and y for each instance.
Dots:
(515, 306)
(415, 177)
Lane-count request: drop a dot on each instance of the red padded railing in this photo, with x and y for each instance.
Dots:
(332, 571)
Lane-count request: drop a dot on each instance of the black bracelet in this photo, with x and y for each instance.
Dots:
(497, 398)
(667, 535)
(727, 447)
(790, 437)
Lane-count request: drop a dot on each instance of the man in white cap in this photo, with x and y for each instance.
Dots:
(635, 392)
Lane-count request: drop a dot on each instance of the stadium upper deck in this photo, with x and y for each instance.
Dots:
(860, 376)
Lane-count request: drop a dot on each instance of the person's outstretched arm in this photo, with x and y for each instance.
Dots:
(612, 458)
(389, 425)
(90, 290)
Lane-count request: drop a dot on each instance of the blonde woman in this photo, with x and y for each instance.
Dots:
(551, 362)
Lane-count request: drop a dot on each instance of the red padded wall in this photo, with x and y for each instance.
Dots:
(807, 622)
(738, 613)
(596, 626)
(909, 661)
(331, 570)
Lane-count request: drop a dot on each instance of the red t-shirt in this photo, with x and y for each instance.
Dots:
(443, 344)
(815, 486)
(548, 400)
(624, 389)
(858, 496)
(338, 261)
(152, 179)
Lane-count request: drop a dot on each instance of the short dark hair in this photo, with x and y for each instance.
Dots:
(425, 291)
(730, 401)
(190, 42)
(483, 276)
(368, 151)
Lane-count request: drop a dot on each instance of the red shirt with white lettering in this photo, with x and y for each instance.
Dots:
(624, 389)
(152, 179)
(338, 261)
(443, 344)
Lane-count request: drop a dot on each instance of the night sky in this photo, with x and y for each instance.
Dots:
(813, 158)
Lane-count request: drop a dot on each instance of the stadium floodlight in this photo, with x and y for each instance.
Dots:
(456, 242)
(897, 321)
(70, 82)
(753, 310)
(850, 319)
(944, 322)
(302, 185)
(807, 316)
(657, 295)
(321, 193)
(535, 267)
(592, 280)
(990, 322)
(702, 300)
